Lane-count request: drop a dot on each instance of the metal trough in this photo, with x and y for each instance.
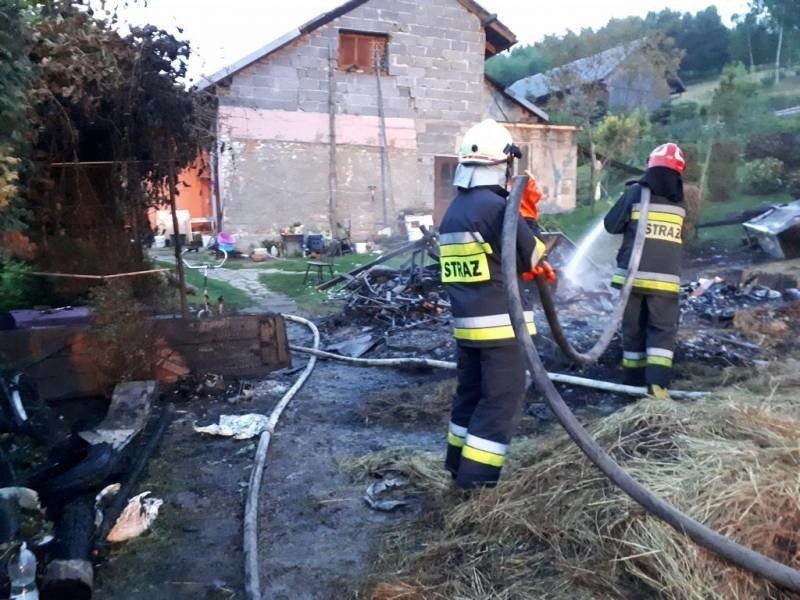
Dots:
(777, 231)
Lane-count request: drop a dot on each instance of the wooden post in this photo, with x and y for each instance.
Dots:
(172, 182)
(386, 186)
(332, 176)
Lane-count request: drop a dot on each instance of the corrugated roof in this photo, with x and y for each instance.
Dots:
(523, 102)
(498, 37)
(586, 70)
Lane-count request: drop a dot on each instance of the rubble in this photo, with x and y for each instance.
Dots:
(717, 301)
(397, 298)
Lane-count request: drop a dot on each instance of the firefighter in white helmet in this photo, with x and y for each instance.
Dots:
(491, 371)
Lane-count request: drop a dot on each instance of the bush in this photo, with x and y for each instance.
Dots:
(793, 184)
(722, 182)
(694, 164)
(763, 176)
(15, 285)
(121, 342)
(694, 203)
(783, 146)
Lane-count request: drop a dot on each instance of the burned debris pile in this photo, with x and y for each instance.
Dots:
(717, 301)
(397, 298)
(735, 323)
(392, 310)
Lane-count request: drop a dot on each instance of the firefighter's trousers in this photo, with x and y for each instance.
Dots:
(486, 407)
(649, 327)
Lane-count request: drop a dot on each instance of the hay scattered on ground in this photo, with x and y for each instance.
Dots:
(424, 405)
(770, 327)
(556, 528)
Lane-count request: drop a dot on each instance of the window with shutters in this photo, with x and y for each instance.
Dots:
(363, 52)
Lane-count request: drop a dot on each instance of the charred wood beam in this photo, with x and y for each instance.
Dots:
(132, 479)
(70, 574)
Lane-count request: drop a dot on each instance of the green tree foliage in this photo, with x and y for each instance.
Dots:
(521, 62)
(15, 285)
(616, 135)
(732, 98)
(783, 146)
(763, 176)
(705, 40)
(116, 101)
(752, 41)
(783, 15)
(14, 74)
(722, 182)
(702, 36)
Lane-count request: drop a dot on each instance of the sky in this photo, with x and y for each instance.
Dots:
(223, 31)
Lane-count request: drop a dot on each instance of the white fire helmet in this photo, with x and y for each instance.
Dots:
(483, 156)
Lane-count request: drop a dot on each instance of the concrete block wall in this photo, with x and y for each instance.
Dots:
(435, 80)
(551, 154)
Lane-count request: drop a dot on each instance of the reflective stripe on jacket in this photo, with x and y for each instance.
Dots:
(660, 267)
(470, 241)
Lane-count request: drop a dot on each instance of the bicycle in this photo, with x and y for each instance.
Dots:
(206, 311)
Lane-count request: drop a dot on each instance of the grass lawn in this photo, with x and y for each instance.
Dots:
(714, 211)
(702, 92)
(577, 223)
(235, 299)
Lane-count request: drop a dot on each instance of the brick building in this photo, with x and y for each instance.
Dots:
(355, 117)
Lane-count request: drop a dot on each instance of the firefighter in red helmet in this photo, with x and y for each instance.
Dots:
(650, 321)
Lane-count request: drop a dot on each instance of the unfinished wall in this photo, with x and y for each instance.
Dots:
(551, 154)
(274, 119)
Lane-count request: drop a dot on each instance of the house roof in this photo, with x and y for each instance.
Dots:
(522, 102)
(498, 37)
(586, 70)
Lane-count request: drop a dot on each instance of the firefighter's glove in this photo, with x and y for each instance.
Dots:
(543, 269)
(548, 271)
(528, 208)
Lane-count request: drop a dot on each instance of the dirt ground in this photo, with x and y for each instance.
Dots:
(318, 538)
(317, 534)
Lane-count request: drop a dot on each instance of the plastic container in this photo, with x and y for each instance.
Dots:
(361, 247)
(22, 573)
(226, 242)
(159, 241)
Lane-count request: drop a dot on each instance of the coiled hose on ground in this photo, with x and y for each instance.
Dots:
(601, 345)
(724, 547)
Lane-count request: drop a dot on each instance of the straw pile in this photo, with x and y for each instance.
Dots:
(556, 528)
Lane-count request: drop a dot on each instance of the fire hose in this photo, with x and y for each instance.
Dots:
(722, 546)
(601, 345)
(252, 580)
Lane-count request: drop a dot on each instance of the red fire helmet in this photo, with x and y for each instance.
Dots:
(668, 155)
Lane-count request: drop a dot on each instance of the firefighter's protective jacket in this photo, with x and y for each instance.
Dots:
(470, 239)
(660, 268)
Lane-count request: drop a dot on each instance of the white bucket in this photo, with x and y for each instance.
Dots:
(412, 225)
(159, 241)
(361, 247)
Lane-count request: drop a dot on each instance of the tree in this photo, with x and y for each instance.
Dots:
(521, 62)
(14, 75)
(705, 40)
(615, 136)
(785, 15)
(110, 123)
(731, 98)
